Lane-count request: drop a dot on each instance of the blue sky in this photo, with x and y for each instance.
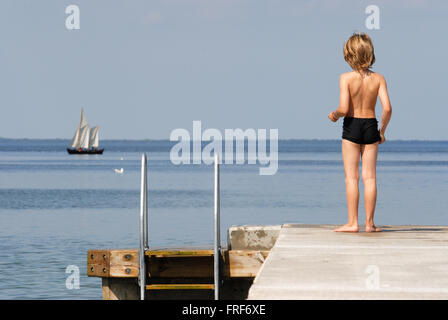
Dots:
(143, 68)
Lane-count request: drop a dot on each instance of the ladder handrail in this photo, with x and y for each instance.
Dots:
(217, 237)
(143, 227)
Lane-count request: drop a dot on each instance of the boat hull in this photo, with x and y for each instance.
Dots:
(89, 151)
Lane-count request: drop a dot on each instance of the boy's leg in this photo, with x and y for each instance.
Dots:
(350, 155)
(369, 153)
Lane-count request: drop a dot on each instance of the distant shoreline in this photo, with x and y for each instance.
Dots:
(167, 140)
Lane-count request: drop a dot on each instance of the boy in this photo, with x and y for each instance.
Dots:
(359, 90)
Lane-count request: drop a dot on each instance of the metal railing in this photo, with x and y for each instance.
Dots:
(144, 228)
(217, 242)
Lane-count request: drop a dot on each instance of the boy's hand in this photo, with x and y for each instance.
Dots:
(383, 138)
(332, 117)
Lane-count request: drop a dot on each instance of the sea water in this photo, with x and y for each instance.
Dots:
(54, 206)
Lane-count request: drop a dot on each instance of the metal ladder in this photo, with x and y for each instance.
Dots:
(145, 251)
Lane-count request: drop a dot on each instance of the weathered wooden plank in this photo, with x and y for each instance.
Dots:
(180, 286)
(179, 253)
(98, 263)
(185, 267)
(120, 289)
(123, 263)
(245, 263)
(106, 289)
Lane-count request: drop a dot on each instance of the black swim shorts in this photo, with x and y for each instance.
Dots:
(361, 130)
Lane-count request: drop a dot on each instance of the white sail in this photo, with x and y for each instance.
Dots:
(94, 141)
(83, 123)
(75, 140)
(84, 140)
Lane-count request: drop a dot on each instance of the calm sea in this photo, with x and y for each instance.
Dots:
(55, 206)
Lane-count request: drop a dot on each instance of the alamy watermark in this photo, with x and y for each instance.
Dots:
(373, 20)
(181, 152)
(72, 22)
(72, 281)
(373, 278)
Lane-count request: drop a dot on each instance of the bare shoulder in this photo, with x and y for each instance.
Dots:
(346, 75)
(345, 78)
(379, 77)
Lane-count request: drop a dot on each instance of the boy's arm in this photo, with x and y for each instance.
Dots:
(385, 102)
(344, 98)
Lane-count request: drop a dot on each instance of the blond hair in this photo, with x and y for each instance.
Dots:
(358, 52)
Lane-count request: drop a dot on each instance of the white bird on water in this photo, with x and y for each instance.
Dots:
(119, 170)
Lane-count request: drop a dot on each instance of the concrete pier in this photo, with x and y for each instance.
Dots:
(313, 262)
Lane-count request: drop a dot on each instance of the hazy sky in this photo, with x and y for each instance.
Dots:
(143, 68)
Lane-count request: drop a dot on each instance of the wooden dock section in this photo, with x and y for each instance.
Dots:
(313, 262)
(174, 273)
(185, 273)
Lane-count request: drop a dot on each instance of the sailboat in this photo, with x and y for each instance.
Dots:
(85, 140)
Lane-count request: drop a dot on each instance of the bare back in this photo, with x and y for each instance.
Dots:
(358, 94)
(363, 93)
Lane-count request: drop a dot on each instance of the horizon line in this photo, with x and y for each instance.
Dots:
(283, 139)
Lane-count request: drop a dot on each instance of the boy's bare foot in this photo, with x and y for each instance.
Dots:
(373, 228)
(347, 228)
